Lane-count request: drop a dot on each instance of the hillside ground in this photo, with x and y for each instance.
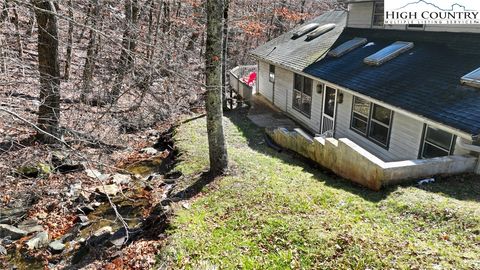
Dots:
(275, 211)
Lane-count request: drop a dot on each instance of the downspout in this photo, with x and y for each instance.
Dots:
(470, 147)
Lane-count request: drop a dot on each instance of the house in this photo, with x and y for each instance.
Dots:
(397, 92)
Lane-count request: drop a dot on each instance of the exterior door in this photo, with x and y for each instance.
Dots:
(329, 110)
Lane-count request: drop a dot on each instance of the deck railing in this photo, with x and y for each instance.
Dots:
(238, 81)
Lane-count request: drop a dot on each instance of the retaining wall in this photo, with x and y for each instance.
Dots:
(347, 159)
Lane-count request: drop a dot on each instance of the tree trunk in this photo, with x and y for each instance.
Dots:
(49, 69)
(128, 47)
(213, 53)
(89, 68)
(68, 58)
(4, 13)
(18, 35)
(224, 52)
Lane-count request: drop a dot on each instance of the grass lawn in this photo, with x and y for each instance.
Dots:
(276, 212)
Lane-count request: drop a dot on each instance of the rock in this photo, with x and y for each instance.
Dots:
(68, 168)
(63, 164)
(11, 216)
(85, 209)
(56, 247)
(84, 221)
(95, 204)
(169, 181)
(102, 231)
(119, 238)
(173, 175)
(74, 190)
(100, 236)
(121, 179)
(14, 233)
(38, 241)
(83, 218)
(31, 228)
(3, 250)
(176, 199)
(83, 225)
(92, 173)
(28, 171)
(149, 151)
(110, 190)
(44, 169)
(67, 237)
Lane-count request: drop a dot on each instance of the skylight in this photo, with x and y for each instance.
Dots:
(304, 30)
(472, 79)
(347, 47)
(388, 53)
(320, 31)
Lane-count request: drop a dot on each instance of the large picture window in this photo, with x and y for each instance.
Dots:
(372, 121)
(437, 143)
(378, 14)
(302, 94)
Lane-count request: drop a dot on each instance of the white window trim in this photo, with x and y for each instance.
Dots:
(424, 141)
(370, 119)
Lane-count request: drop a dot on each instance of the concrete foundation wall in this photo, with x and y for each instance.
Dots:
(347, 159)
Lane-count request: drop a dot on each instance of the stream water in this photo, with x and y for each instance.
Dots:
(133, 205)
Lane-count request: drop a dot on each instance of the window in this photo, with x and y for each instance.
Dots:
(347, 47)
(372, 121)
(388, 53)
(361, 113)
(437, 143)
(380, 125)
(302, 94)
(378, 14)
(472, 79)
(272, 73)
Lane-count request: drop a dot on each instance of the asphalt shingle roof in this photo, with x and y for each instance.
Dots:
(298, 54)
(424, 80)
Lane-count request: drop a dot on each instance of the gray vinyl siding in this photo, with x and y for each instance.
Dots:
(360, 15)
(284, 93)
(283, 81)
(405, 137)
(264, 84)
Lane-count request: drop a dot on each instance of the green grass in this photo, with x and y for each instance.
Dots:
(275, 212)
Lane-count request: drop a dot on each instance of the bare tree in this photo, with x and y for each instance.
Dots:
(213, 56)
(92, 52)
(68, 60)
(49, 69)
(129, 44)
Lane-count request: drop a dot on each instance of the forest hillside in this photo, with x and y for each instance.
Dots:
(90, 94)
